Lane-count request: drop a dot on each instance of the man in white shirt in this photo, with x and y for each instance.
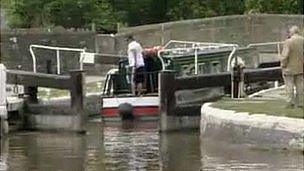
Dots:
(136, 62)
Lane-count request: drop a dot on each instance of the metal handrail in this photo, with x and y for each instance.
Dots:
(255, 45)
(113, 72)
(198, 43)
(192, 49)
(58, 49)
(196, 46)
(267, 44)
(111, 55)
(264, 44)
(230, 58)
(249, 46)
(161, 60)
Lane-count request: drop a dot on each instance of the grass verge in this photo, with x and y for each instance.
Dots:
(258, 106)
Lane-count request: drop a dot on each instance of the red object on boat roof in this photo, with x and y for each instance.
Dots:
(152, 52)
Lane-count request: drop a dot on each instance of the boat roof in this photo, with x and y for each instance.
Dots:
(177, 48)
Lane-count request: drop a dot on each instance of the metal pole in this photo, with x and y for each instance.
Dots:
(195, 60)
(82, 56)
(33, 58)
(230, 58)
(232, 83)
(58, 61)
(163, 33)
(3, 108)
(279, 49)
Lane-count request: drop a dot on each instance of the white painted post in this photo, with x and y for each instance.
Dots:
(58, 61)
(195, 59)
(276, 84)
(3, 108)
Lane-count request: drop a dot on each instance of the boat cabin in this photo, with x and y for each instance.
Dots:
(186, 58)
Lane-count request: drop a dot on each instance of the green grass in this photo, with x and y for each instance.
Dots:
(258, 106)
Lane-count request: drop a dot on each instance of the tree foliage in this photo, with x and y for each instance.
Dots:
(106, 14)
(274, 6)
(66, 13)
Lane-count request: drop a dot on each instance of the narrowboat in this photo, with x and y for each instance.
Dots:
(185, 58)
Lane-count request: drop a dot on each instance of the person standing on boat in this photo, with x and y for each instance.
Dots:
(238, 62)
(292, 63)
(136, 62)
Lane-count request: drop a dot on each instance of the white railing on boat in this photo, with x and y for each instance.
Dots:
(278, 44)
(178, 48)
(191, 44)
(252, 45)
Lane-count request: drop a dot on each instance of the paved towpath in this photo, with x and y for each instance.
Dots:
(273, 93)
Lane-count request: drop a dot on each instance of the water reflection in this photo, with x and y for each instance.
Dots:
(225, 156)
(132, 146)
(4, 153)
(135, 146)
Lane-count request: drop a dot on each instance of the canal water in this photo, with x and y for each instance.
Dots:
(136, 147)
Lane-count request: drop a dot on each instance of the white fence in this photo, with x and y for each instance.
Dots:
(84, 57)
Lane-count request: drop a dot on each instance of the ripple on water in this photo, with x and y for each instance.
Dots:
(131, 150)
(135, 148)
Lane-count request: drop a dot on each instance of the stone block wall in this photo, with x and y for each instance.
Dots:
(15, 48)
(240, 29)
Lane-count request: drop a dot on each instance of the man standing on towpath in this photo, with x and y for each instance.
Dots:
(292, 62)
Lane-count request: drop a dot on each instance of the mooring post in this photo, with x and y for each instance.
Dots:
(3, 108)
(237, 80)
(166, 96)
(77, 96)
(32, 94)
(241, 92)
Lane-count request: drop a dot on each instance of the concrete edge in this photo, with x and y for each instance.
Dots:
(265, 91)
(59, 122)
(46, 100)
(177, 123)
(257, 129)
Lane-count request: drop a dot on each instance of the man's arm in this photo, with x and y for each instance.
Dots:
(285, 54)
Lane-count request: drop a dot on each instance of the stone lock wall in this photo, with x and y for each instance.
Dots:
(15, 48)
(240, 29)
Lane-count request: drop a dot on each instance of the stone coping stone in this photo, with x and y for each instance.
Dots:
(261, 130)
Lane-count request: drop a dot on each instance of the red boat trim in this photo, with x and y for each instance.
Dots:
(137, 111)
(109, 112)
